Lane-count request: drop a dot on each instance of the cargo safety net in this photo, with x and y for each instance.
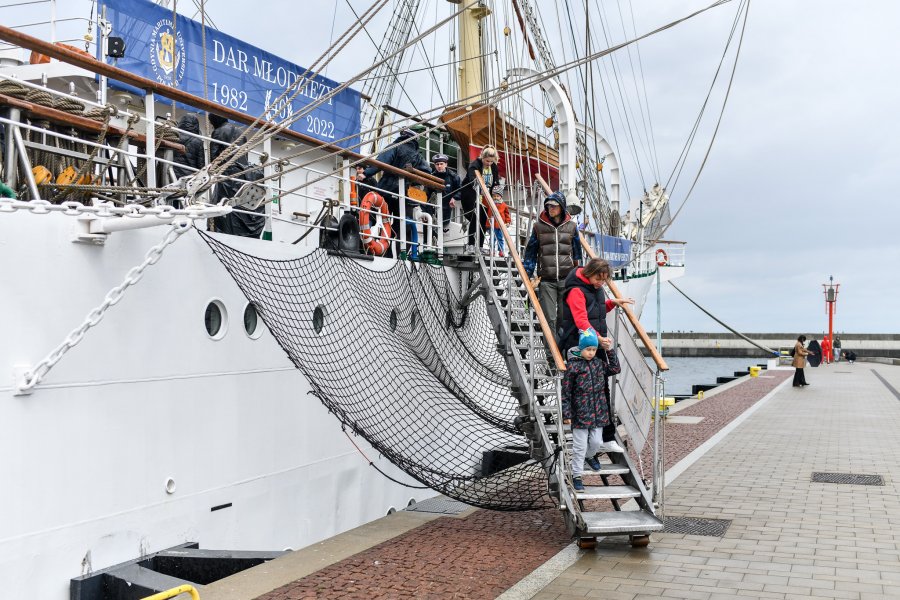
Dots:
(395, 358)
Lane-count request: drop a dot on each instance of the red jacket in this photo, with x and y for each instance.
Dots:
(577, 305)
(503, 209)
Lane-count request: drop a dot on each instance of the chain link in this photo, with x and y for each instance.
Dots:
(34, 376)
(109, 209)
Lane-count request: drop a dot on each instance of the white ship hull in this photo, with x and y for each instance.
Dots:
(148, 397)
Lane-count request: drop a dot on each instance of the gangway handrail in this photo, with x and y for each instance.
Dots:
(651, 348)
(549, 338)
(71, 57)
(638, 328)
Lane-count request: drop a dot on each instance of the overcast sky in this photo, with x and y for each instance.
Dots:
(801, 181)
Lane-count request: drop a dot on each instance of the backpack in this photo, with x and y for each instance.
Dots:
(793, 350)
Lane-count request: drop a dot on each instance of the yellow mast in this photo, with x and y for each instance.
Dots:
(471, 67)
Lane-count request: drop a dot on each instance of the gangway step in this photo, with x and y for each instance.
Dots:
(607, 492)
(552, 428)
(626, 521)
(605, 469)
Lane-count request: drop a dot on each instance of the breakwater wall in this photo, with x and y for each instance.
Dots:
(729, 345)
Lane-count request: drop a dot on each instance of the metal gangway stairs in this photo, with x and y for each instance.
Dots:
(536, 368)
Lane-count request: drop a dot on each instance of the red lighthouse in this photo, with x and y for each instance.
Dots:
(831, 291)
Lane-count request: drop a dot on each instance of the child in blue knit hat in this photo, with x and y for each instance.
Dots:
(586, 405)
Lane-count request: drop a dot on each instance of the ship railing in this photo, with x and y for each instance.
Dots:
(32, 14)
(673, 253)
(429, 225)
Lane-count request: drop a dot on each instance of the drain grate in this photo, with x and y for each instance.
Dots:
(848, 478)
(692, 526)
(439, 505)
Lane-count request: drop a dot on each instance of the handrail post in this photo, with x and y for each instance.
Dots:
(401, 194)
(150, 135)
(439, 223)
(9, 152)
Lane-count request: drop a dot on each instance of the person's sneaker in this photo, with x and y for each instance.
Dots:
(613, 446)
(593, 463)
(578, 484)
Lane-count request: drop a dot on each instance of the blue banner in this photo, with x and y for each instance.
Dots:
(615, 250)
(238, 75)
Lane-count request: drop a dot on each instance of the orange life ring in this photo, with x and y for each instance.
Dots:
(662, 259)
(373, 201)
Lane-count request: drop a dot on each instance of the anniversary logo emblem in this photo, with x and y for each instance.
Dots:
(167, 53)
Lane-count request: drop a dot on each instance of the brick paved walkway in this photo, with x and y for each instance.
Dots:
(790, 538)
(485, 553)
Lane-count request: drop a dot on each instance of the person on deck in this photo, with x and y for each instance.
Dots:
(193, 155)
(850, 356)
(800, 353)
(554, 248)
(836, 349)
(492, 224)
(451, 194)
(235, 223)
(403, 154)
(486, 165)
(585, 403)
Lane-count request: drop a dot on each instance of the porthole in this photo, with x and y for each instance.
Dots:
(215, 319)
(393, 320)
(251, 321)
(318, 319)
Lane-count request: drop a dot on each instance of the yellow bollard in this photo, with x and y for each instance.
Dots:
(754, 371)
(700, 395)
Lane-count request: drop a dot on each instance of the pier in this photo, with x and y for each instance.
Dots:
(742, 474)
(679, 344)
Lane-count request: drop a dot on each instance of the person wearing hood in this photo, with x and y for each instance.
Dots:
(225, 134)
(403, 154)
(554, 249)
(586, 406)
(193, 155)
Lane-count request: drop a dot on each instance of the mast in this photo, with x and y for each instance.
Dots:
(471, 67)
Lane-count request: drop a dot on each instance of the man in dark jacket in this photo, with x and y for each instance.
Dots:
(193, 155)
(554, 249)
(403, 155)
(451, 193)
(225, 134)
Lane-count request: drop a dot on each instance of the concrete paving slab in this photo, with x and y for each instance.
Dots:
(791, 537)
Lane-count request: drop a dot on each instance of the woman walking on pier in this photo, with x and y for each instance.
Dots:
(800, 353)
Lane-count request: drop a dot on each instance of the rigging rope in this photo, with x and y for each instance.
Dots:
(723, 324)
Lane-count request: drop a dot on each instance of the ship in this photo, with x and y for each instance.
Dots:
(174, 387)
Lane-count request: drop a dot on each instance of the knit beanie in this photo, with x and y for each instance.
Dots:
(588, 339)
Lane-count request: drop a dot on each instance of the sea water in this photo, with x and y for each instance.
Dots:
(685, 372)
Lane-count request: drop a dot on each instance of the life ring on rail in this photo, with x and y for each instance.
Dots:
(662, 259)
(373, 202)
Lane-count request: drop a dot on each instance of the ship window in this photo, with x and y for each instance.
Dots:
(215, 319)
(318, 319)
(393, 320)
(251, 321)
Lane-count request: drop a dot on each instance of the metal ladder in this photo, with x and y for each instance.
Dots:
(536, 377)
